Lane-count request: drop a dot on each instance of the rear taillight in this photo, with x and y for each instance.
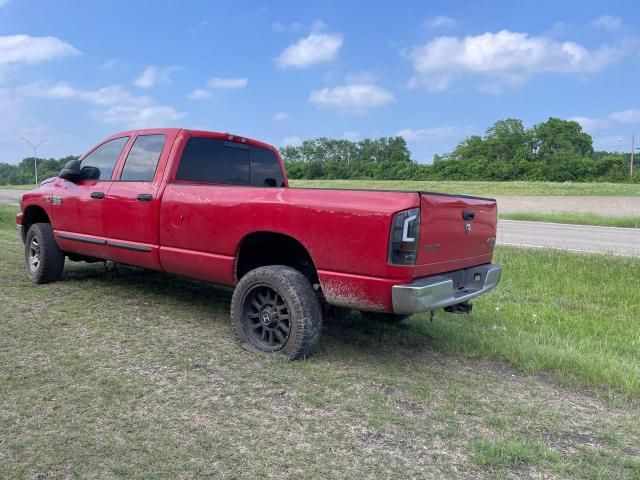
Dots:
(403, 241)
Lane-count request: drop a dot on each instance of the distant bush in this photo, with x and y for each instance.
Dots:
(556, 150)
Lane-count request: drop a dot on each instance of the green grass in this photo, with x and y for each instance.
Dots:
(575, 218)
(29, 186)
(572, 314)
(128, 373)
(484, 188)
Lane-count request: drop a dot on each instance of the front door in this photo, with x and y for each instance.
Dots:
(132, 205)
(78, 206)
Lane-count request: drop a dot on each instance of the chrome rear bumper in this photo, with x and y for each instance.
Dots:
(438, 291)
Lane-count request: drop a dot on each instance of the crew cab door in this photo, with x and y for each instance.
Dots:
(132, 206)
(78, 205)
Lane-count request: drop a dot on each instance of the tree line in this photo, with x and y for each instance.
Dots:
(556, 150)
(23, 173)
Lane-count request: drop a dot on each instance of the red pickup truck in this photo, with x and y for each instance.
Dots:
(217, 207)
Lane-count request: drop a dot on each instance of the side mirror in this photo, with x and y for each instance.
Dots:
(90, 173)
(71, 170)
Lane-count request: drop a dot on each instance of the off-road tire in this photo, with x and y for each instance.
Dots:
(304, 313)
(383, 317)
(44, 261)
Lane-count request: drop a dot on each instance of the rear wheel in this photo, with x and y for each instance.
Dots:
(383, 317)
(274, 309)
(43, 259)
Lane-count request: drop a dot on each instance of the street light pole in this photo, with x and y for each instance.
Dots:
(35, 154)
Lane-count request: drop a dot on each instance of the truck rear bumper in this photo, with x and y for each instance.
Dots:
(438, 291)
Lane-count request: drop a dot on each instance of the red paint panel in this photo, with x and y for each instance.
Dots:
(445, 243)
(344, 231)
(200, 265)
(357, 291)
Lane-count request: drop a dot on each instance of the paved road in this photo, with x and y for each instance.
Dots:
(582, 238)
(13, 196)
(609, 206)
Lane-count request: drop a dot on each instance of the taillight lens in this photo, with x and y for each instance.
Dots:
(403, 241)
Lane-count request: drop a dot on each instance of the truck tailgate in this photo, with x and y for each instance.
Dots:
(446, 237)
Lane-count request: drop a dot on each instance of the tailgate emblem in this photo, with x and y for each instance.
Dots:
(467, 228)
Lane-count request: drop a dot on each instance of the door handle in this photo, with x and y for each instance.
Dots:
(144, 197)
(97, 195)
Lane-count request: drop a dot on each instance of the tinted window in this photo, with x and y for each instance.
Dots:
(218, 161)
(104, 157)
(265, 168)
(142, 159)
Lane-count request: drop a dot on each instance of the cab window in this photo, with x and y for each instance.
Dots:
(103, 159)
(213, 160)
(142, 160)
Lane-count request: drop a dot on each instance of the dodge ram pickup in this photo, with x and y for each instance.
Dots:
(218, 208)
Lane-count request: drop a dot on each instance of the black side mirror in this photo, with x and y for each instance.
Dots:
(71, 170)
(90, 173)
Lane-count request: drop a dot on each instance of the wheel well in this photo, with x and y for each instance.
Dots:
(267, 248)
(33, 214)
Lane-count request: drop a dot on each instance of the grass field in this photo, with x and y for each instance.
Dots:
(575, 218)
(484, 188)
(18, 187)
(130, 373)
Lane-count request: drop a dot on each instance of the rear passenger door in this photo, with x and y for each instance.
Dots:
(132, 205)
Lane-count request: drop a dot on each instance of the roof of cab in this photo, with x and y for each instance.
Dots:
(168, 131)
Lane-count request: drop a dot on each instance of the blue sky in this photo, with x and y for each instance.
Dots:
(72, 72)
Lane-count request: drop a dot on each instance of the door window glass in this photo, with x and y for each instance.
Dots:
(103, 159)
(142, 160)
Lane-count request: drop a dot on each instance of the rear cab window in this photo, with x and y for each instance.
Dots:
(211, 160)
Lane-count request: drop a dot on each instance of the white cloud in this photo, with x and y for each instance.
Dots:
(356, 96)
(429, 134)
(506, 57)
(26, 49)
(624, 117)
(199, 94)
(441, 21)
(153, 75)
(280, 116)
(311, 50)
(293, 141)
(217, 82)
(120, 106)
(608, 22)
(3, 3)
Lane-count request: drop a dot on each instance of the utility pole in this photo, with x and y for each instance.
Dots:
(633, 149)
(35, 155)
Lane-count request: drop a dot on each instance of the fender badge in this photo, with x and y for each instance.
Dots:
(467, 228)
(57, 200)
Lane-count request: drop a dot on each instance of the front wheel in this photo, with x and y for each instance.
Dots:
(43, 259)
(274, 309)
